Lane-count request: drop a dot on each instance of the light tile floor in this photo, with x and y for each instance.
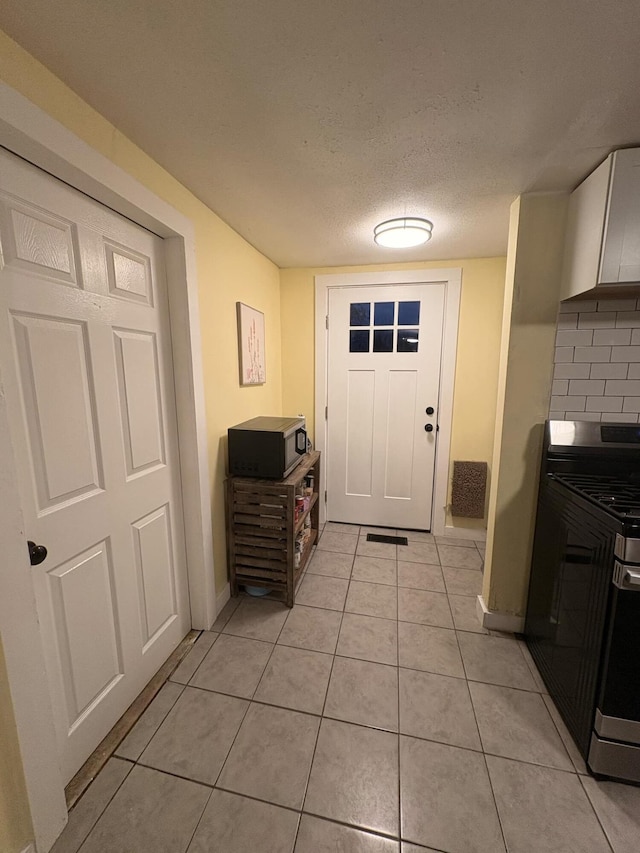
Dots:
(376, 716)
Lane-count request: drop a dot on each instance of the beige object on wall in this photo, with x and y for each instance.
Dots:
(468, 489)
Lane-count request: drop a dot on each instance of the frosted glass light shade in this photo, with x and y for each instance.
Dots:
(403, 232)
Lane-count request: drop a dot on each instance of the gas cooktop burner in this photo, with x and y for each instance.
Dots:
(621, 497)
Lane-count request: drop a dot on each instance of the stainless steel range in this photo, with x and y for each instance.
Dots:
(583, 611)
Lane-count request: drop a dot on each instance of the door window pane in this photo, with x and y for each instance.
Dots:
(383, 340)
(360, 314)
(383, 314)
(407, 340)
(359, 340)
(408, 313)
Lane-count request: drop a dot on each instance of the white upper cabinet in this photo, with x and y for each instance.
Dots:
(603, 227)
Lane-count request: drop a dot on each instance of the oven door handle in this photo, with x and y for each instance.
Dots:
(626, 577)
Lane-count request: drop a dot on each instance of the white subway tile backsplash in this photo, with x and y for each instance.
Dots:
(568, 321)
(597, 361)
(609, 371)
(562, 402)
(586, 386)
(593, 320)
(575, 371)
(574, 338)
(571, 307)
(604, 404)
(628, 320)
(623, 387)
(624, 418)
(611, 337)
(627, 354)
(592, 354)
(556, 416)
(582, 416)
(617, 304)
(563, 354)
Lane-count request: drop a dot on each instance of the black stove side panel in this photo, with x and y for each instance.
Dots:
(568, 598)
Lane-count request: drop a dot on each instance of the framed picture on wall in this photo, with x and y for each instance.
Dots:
(253, 365)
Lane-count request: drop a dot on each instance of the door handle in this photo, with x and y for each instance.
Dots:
(428, 427)
(37, 553)
(626, 577)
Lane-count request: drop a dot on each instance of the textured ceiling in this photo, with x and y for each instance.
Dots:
(303, 123)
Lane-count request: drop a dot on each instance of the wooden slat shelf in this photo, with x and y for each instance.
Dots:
(300, 522)
(262, 529)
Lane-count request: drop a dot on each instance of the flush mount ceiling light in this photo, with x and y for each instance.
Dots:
(403, 232)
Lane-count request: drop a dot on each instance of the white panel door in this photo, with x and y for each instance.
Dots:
(384, 351)
(85, 352)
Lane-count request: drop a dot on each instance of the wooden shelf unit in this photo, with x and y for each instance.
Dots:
(262, 529)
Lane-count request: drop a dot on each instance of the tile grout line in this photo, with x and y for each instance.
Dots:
(182, 689)
(244, 716)
(249, 703)
(107, 804)
(536, 679)
(595, 811)
(199, 821)
(323, 716)
(484, 755)
(324, 705)
(368, 726)
(557, 728)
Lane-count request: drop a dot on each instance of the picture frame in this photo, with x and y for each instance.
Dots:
(251, 345)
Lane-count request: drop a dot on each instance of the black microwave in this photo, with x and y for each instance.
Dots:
(266, 447)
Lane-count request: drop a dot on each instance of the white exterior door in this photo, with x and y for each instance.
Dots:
(384, 353)
(85, 352)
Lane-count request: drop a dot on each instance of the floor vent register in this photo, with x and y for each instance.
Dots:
(389, 540)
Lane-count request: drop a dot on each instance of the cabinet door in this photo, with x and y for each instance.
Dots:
(620, 260)
(585, 232)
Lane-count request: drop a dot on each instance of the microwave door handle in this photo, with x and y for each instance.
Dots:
(301, 446)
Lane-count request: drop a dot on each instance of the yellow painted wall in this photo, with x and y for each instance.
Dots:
(476, 382)
(15, 821)
(229, 270)
(534, 264)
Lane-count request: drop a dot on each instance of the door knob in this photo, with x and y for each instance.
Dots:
(430, 410)
(428, 427)
(37, 553)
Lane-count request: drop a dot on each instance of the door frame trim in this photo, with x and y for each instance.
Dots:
(29, 132)
(451, 277)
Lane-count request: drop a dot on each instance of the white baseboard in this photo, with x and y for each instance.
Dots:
(223, 597)
(495, 621)
(465, 533)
